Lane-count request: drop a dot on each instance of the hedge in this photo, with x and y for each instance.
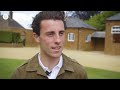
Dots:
(9, 37)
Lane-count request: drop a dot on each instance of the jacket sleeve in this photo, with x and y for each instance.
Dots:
(15, 75)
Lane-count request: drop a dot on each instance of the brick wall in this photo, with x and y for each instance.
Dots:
(79, 43)
(110, 46)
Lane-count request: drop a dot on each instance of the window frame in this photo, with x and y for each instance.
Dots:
(115, 29)
(71, 38)
(88, 38)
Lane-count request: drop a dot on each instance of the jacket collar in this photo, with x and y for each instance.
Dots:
(33, 65)
(66, 65)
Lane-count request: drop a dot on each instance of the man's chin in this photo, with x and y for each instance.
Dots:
(56, 55)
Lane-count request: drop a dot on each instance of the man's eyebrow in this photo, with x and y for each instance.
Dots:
(54, 31)
(50, 32)
(62, 31)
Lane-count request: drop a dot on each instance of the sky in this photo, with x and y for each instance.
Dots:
(23, 17)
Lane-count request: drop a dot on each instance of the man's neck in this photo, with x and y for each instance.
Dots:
(49, 61)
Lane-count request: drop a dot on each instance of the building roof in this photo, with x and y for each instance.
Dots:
(98, 34)
(13, 23)
(114, 17)
(77, 23)
(10, 22)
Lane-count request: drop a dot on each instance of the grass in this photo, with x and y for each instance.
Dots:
(7, 66)
(94, 73)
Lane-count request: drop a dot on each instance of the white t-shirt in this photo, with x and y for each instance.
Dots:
(55, 70)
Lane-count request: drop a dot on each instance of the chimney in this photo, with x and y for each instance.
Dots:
(11, 15)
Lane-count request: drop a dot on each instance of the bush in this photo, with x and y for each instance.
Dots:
(5, 37)
(9, 37)
(15, 37)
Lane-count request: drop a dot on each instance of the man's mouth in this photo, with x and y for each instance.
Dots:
(56, 48)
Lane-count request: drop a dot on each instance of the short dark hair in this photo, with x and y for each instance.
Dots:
(45, 15)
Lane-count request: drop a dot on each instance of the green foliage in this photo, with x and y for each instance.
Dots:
(15, 37)
(9, 37)
(98, 20)
(5, 36)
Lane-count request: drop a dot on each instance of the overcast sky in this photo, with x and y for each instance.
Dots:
(23, 17)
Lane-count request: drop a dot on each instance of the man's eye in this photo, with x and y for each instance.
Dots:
(61, 33)
(50, 34)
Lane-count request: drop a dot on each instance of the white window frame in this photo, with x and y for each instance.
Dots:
(71, 37)
(88, 38)
(115, 29)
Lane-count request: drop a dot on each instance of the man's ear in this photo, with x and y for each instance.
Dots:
(36, 37)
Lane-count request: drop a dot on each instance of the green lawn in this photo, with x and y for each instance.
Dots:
(94, 73)
(7, 66)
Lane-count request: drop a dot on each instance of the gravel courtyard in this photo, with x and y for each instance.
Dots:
(94, 59)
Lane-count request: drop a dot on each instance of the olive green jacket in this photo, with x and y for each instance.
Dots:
(32, 70)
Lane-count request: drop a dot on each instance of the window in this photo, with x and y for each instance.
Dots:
(116, 38)
(71, 37)
(88, 38)
(115, 30)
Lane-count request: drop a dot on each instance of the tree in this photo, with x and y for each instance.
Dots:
(98, 20)
(84, 15)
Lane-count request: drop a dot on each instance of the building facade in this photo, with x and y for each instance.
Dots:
(112, 38)
(78, 35)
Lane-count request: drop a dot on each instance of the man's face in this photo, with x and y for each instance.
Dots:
(52, 38)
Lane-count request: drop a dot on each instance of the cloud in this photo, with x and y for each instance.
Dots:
(24, 19)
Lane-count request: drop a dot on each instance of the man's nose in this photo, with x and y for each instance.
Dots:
(57, 39)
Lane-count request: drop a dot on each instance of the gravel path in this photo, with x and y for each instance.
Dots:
(94, 59)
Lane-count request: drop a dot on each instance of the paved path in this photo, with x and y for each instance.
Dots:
(94, 59)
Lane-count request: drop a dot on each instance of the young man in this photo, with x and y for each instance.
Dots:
(50, 63)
